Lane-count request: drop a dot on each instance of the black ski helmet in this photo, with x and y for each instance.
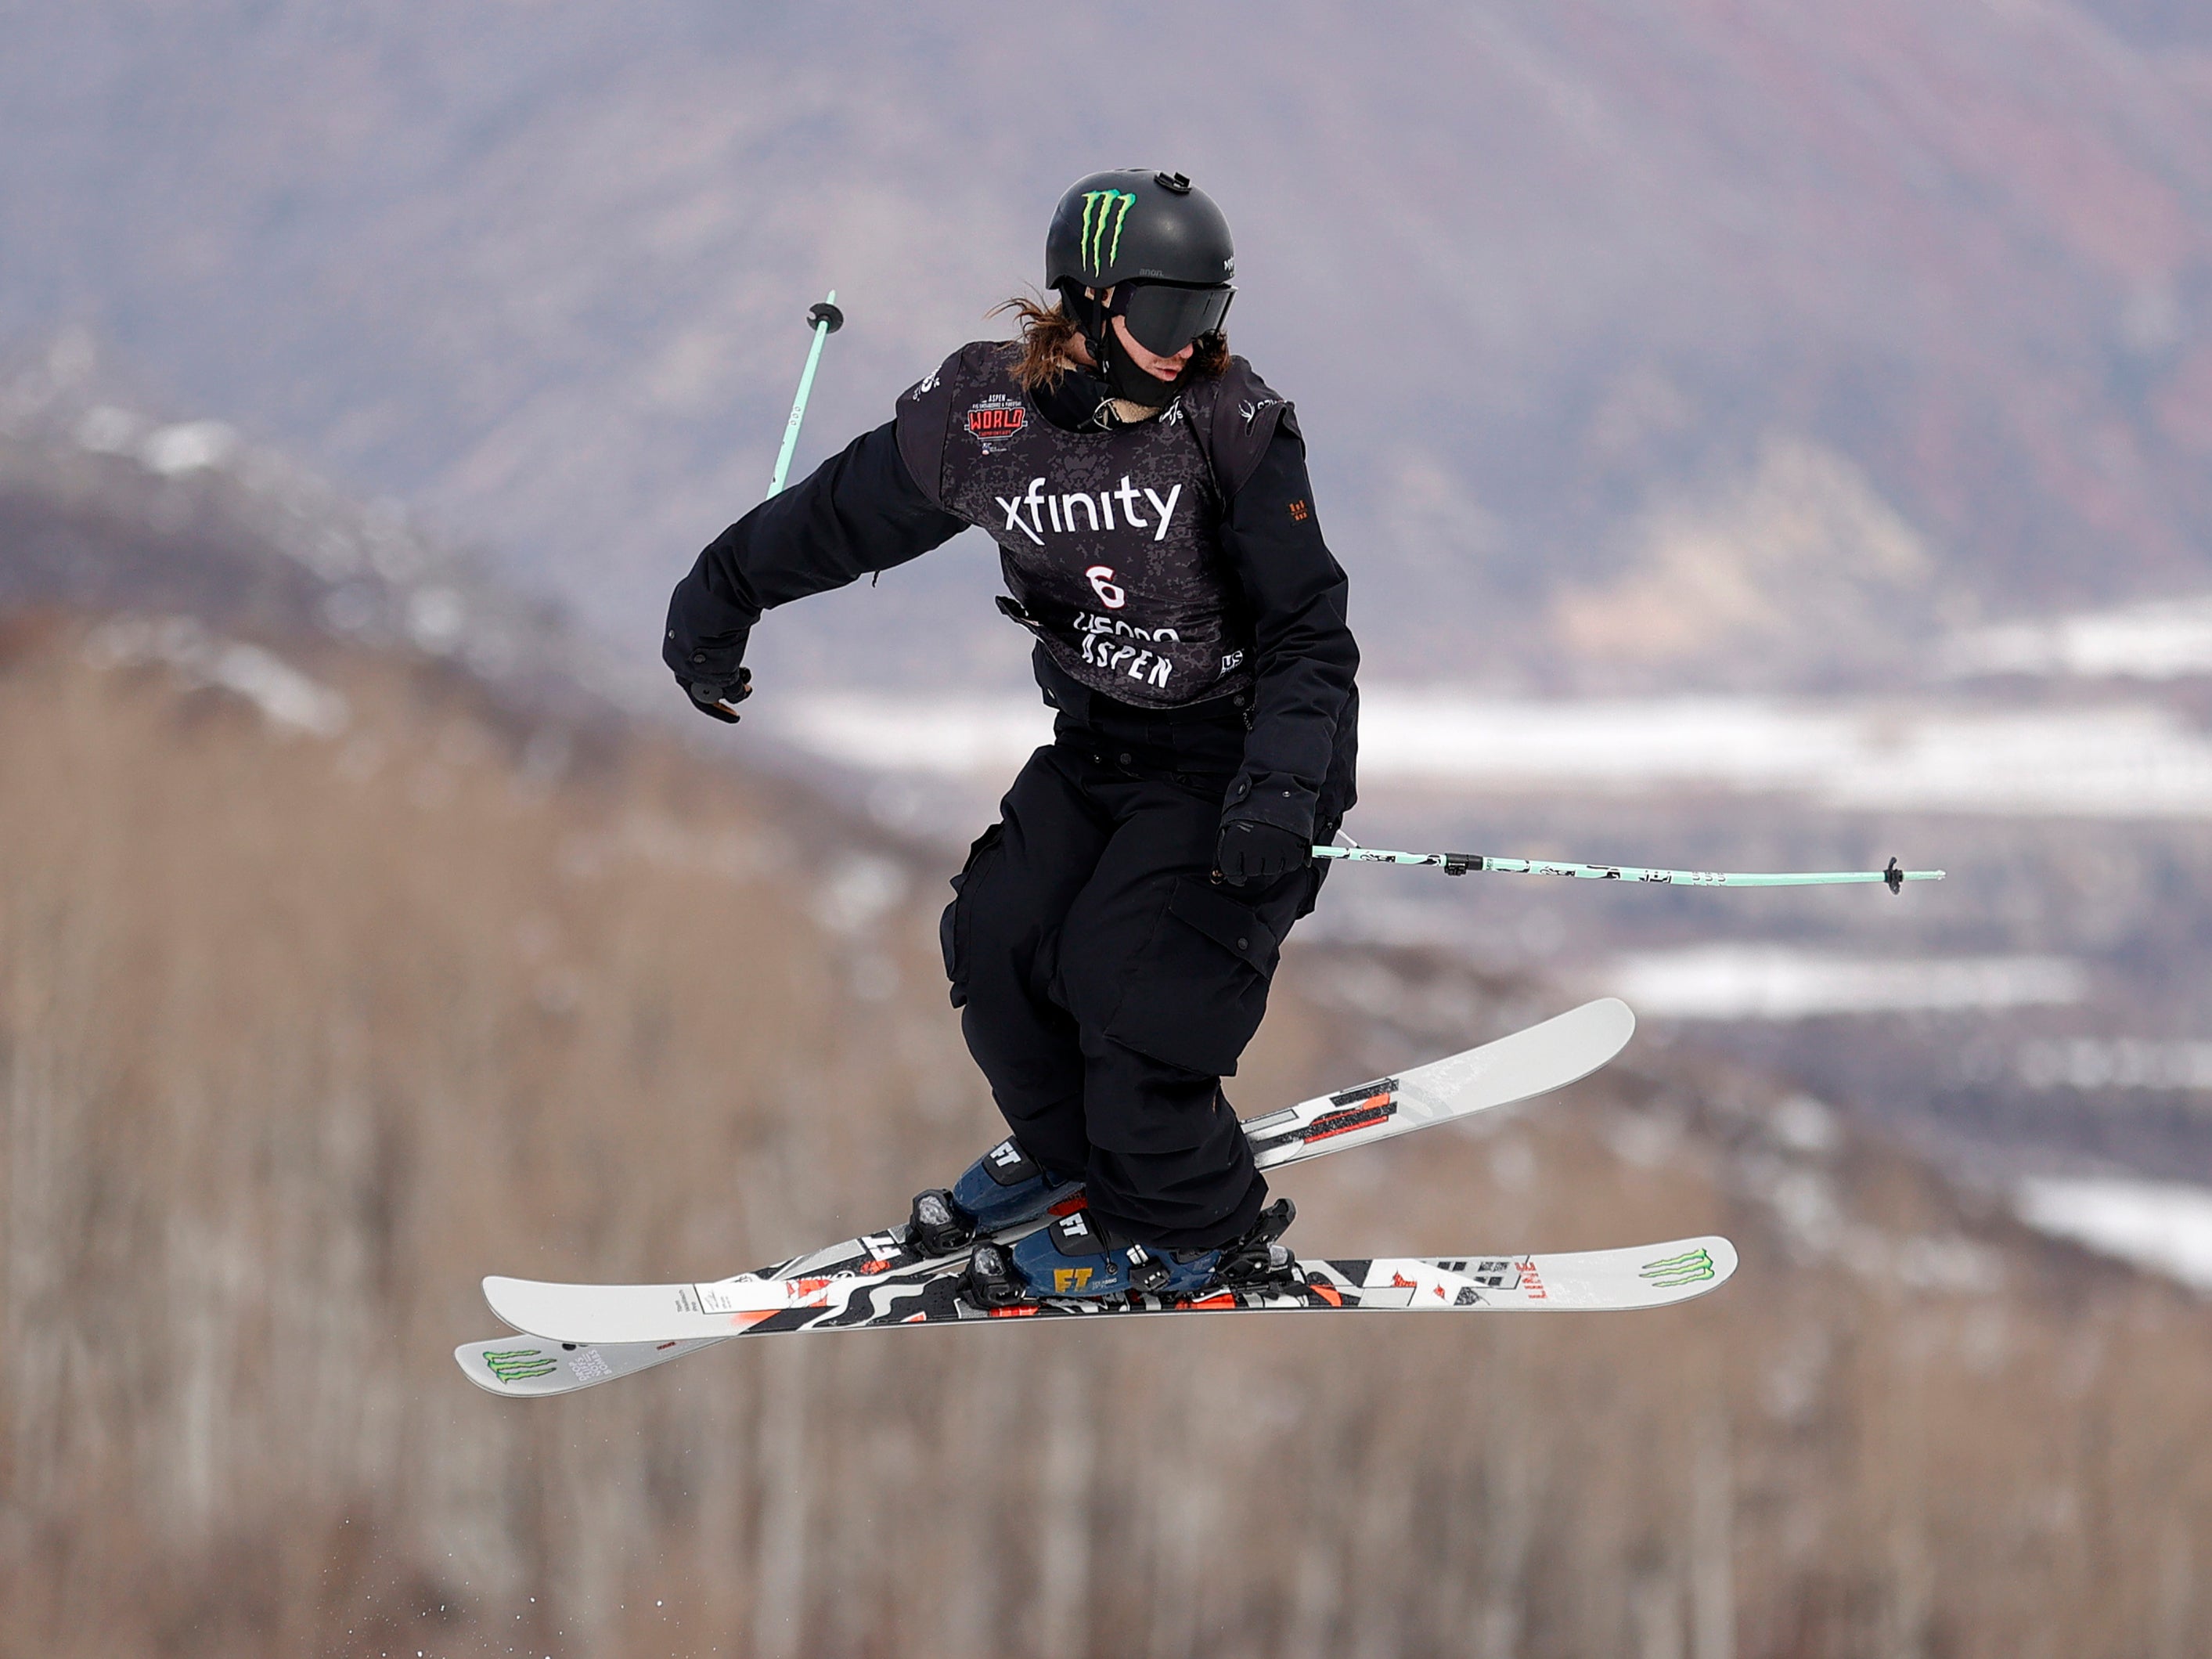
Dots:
(1154, 238)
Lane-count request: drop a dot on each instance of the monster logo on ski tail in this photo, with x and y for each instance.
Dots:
(520, 1364)
(1691, 1267)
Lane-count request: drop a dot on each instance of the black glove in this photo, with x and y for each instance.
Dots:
(1250, 851)
(708, 696)
(710, 669)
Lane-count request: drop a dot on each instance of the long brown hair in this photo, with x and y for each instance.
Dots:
(1048, 332)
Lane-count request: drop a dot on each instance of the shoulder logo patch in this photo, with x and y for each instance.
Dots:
(996, 420)
(1300, 512)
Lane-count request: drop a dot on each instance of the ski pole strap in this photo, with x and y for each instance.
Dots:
(825, 319)
(1458, 864)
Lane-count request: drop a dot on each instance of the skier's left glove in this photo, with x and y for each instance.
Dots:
(1250, 851)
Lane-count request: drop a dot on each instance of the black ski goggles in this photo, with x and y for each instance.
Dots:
(1165, 317)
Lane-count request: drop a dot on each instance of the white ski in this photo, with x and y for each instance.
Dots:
(1587, 1281)
(621, 1329)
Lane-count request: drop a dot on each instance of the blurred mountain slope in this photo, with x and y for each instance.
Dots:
(1538, 277)
(305, 1031)
(334, 973)
(106, 509)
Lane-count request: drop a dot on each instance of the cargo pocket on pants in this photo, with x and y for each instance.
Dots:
(1197, 992)
(952, 926)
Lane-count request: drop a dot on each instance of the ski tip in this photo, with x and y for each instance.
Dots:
(497, 1289)
(519, 1303)
(1607, 1021)
(1614, 1011)
(602, 1313)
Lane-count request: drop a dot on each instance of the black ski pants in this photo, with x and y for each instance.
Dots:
(1107, 984)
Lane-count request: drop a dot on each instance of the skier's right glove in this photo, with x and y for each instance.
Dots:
(720, 700)
(1257, 852)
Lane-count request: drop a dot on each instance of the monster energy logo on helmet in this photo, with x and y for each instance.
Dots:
(1100, 209)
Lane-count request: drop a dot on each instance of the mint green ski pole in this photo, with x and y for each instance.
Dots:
(1458, 864)
(825, 319)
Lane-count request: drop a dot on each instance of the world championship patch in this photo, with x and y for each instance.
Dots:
(996, 420)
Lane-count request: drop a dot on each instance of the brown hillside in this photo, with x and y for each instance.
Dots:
(301, 1031)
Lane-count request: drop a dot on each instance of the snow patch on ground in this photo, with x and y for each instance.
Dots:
(2164, 1226)
(1774, 982)
(2102, 761)
(858, 892)
(188, 446)
(285, 696)
(948, 736)
(2093, 1063)
(171, 450)
(2163, 639)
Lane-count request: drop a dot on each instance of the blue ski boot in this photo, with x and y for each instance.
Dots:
(1002, 1187)
(1072, 1258)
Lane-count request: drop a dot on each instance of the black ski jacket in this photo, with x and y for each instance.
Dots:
(863, 510)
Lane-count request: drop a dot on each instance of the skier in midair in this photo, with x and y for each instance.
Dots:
(1112, 938)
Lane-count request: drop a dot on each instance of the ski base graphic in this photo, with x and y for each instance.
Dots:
(1590, 1281)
